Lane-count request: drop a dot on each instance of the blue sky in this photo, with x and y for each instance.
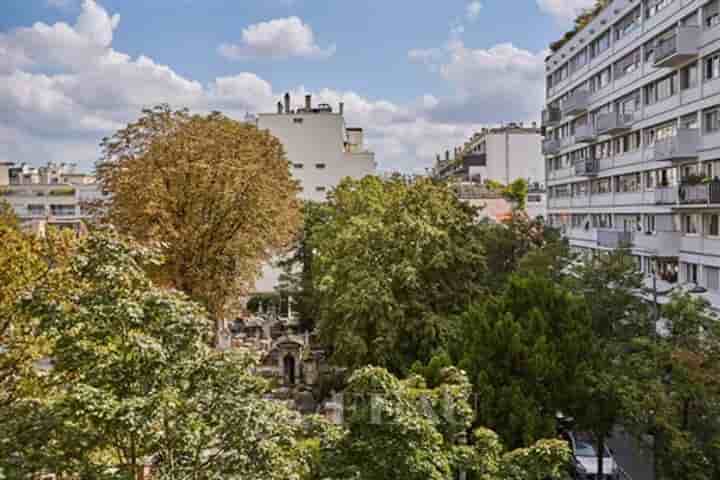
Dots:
(419, 75)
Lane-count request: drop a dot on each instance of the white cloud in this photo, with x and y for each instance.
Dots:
(564, 10)
(64, 87)
(472, 11)
(498, 84)
(279, 38)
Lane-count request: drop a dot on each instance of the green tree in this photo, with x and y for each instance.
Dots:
(680, 370)
(133, 380)
(391, 260)
(611, 286)
(215, 195)
(403, 429)
(521, 239)
(524, 350)
(297, 280)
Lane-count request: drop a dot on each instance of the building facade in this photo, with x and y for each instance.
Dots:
(51, 195)
(321, 149)
(632, 141)
(502, 154)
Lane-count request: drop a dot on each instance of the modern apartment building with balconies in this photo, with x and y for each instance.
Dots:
(52, 195)
(632, 136)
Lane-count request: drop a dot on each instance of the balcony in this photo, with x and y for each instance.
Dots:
(702, 194)
(588, 167)
(551, 146)
(551, 116)
(665, 244)
(614, 123)
(666, 195)
(585, 133)
(576, 103)
(613, 238)
(678, 49)
(682, 146)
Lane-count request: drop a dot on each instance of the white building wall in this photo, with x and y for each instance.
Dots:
(321, 153)
(315, 147)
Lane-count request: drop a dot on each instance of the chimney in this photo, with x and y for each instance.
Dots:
(287, 103)
(342, 108)
(280, 107)
(447, 155)
(308, 102)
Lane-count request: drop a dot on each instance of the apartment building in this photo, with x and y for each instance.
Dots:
(632, 145)
(51, 195)
(503, 154)
(321, 149)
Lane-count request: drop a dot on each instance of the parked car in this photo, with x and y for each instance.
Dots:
(585, 458)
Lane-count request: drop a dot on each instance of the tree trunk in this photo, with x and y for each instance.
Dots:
(600, 451)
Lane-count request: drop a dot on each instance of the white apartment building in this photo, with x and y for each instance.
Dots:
(503, 154)
(321, 149)
(53, 195)
(632, 144)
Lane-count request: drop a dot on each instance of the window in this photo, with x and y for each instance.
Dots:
(711, 119)
(649, 224)
(655, 6)
(691, 273)
(691, 224)
(600, 81)
(298, 166)
(689, 122)
(712, 67)
(628, 64)
(62, 210)
(600, 44)
(628, 24)
(712, 225)
(36, 209)
(319, 189)
(629, 183)
(689, 77)
(320, 166)
(297, 120)
(712, 14)
(578, 61)
(712, 278)
(600, 186)
(660, 90)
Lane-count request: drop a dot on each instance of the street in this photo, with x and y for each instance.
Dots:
(636, 461)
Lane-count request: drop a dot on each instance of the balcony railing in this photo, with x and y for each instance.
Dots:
(680, 48)
(702, 194)
(551, 116)
(682, 146)
(585, 133)
(614, 238)
(588, 167)
(576, 103)
(614, 123)
(551, 146)
(666, 195)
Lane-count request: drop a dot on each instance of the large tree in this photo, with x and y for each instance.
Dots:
(213, 193)
(524, 350)
(133, 381)
(390, 261)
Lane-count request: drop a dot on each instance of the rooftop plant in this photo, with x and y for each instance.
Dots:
(584, 17)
